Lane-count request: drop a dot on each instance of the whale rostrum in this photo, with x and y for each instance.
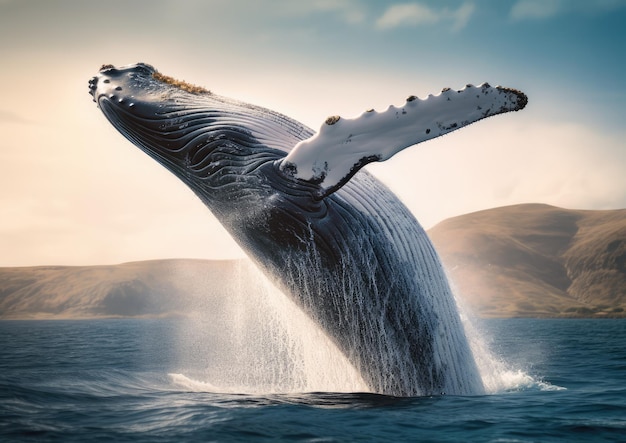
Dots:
(328, 234)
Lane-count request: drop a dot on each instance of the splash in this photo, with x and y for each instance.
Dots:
(497, 374)
(252, 339)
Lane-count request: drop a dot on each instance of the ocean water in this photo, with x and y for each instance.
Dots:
(143, 380)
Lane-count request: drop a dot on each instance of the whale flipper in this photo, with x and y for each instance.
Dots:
(343, 146)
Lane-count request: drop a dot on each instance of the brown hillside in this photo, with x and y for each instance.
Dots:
(537, 260)
(149, 288)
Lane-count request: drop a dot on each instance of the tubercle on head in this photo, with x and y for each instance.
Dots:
(180, 84)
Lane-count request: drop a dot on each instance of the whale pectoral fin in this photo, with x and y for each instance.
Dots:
(343, 146)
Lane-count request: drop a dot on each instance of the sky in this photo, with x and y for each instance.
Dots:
(73, 191)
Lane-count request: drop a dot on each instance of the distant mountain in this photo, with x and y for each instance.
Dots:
(139, 289)
(537, 260)
(517, 261)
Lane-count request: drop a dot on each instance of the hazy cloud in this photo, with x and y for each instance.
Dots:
(535, 9)
(545, 9)
(417, 14)
(349, 11)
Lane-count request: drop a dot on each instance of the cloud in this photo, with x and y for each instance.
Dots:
(417, 14)
(349, 11)
(545, 9)
(536, 9)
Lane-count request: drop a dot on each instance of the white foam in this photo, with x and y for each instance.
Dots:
(189, 384)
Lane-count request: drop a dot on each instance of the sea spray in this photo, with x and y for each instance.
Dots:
(251, 338)
(248, 337)
(498, 374)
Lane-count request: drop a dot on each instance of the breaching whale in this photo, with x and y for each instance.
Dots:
(329, 234)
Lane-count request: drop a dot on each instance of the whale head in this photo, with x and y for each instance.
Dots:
(203, 138)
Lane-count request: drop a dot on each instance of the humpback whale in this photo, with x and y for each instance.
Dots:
(327, 233)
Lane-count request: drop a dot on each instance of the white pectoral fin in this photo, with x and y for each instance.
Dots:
(343, 146)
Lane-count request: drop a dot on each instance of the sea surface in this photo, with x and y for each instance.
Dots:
(124, 380)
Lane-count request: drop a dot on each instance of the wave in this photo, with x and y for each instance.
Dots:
(191, 385)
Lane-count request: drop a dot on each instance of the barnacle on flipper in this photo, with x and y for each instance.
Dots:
(180, 83)
(522, 99)
(332, 119)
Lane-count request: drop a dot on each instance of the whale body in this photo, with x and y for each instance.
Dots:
(330, 235)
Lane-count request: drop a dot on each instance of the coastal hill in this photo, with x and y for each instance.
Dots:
(537, 260)
(154, 288)
(517, 261)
